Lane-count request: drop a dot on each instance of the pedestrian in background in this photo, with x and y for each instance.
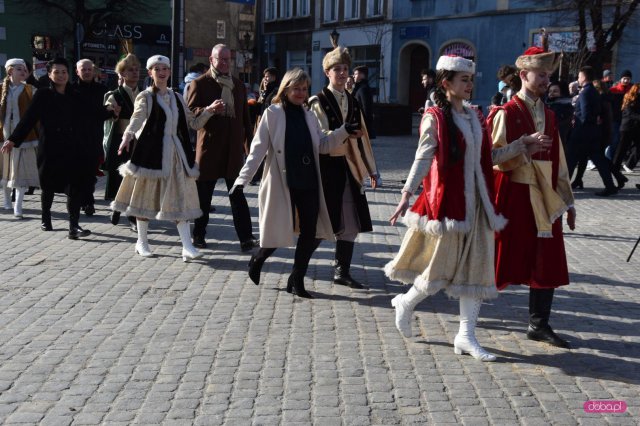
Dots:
(449, 243)
(159, 180)
(18, 169)
(363, 93)
(559, 101)
(66, 158)
(268, 90)
(291, 198)
(617, 93)
(629, 128)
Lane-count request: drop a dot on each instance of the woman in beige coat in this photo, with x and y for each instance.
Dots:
(290, 197)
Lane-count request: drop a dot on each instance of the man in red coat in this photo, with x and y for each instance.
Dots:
(532, 192)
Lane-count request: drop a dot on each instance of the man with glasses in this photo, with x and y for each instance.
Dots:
(221, 143)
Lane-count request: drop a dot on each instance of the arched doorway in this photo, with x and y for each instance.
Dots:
(414, 57)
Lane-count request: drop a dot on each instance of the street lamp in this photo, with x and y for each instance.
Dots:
(335, 36)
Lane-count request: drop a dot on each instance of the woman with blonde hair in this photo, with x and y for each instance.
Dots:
(159, 180)
(291, 199)
(19, 167)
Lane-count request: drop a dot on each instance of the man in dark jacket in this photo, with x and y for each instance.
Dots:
(364, 95)
(92, 96)
(587, 132)
(222, 143)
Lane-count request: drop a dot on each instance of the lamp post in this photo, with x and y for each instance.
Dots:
(334, 36)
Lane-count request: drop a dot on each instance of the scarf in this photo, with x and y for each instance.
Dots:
(226, 82)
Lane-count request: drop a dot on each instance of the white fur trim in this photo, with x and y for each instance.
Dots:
(13, 62)
(455, 63)
(128, 210)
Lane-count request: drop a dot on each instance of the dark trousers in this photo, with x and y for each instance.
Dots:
(308, 204)
(74, 202)
(628, 139)
(582, 149)
(239, 210)
(540, 301)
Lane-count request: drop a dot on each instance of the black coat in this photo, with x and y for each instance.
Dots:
(66, 157)
(364, 95)
(631, 117)
(92, 96)
(588, 109)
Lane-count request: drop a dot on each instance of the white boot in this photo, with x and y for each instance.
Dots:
(17, 206)
(142, 245)
(189, 252)
(405, 304)
(465, 341)
(7, 197)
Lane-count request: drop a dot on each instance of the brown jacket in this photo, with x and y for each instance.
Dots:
(223, 141)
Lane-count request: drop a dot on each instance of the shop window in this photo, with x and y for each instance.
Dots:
(286, 9)
(270, 7)
(370, 57)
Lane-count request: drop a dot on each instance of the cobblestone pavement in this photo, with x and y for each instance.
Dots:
(91, 333)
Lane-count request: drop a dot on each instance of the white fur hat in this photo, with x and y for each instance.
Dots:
(158, 59)
(13, 62)
(455, 63)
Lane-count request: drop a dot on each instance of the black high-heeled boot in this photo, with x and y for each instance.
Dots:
(256, 262)
(295, 283)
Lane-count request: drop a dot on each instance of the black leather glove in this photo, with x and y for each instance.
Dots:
(352, 128)
(236, 190)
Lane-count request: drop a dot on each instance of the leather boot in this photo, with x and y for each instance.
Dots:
(17, 206)
(256, 262)
(540, 301)
(46, 201)
(295, 283)
(465, 341)
(344, 253)
(142, 245)
(7, 198)
(405, 304)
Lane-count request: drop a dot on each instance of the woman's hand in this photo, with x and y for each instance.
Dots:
(7, 146)
(403, 205)
(124, 146)
(571, 218)
(537, 142)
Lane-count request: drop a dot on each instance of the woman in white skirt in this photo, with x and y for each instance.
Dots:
(159, 181)
(449, 244)
(19, 167)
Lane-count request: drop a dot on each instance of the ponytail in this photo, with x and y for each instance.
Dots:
(443, 103)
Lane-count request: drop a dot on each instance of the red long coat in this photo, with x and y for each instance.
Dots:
(522, 257)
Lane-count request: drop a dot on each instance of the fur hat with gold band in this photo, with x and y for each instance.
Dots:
(455, 63)
(339, 55)
(539, 58)
(13, 62)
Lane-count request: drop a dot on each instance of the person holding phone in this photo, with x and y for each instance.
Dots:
(345, 168)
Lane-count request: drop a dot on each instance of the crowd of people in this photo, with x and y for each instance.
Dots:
(494, 189)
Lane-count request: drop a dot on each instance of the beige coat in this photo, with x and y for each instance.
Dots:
(276, 217)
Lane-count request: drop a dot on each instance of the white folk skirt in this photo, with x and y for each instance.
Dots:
(164, 198)
(20, 167)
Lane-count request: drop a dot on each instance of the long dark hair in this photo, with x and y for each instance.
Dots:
(440, 96)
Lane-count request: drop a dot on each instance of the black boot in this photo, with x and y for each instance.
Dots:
(295, 283)
(75, 231)
(115, 217)
(133, 223)
(540, 301)
(344, 253)
(256, 262)
(46, 201)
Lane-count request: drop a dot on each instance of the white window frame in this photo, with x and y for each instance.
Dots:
(330, 5)
(371, 8)
(305, 64)
(286, 9)
(351, 9)
(303, 8)
(270, 10)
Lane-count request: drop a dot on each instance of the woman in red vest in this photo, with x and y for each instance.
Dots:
(449, 242)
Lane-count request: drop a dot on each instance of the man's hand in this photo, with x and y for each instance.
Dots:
(373, 180)
(216, 107)
(236, 189)
(403, 205)
(571, 218)
(537, 142)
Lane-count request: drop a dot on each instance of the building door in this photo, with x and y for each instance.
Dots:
(418, 60)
